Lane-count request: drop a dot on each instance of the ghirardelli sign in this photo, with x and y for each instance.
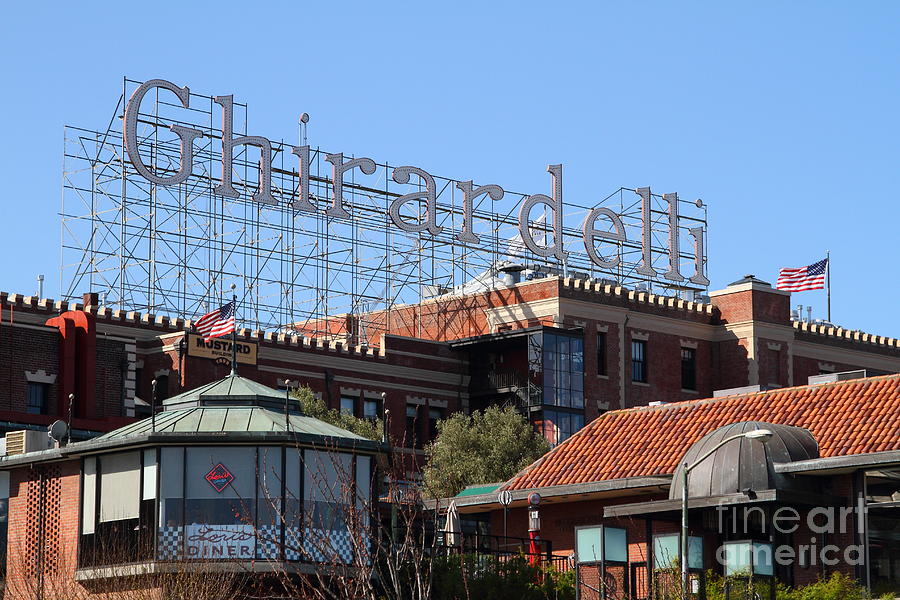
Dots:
(601, 228)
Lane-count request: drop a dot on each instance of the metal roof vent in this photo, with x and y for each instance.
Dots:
(835, 377)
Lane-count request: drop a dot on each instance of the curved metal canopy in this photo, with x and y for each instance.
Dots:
(744, 464)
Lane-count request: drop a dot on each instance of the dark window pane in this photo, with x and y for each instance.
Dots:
(370, 409)
(601, 353)
(639, 361)
(434, 415)
(36, 401)
(688, 368)
(412, 416)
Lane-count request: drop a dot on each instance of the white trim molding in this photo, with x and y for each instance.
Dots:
(40, 376)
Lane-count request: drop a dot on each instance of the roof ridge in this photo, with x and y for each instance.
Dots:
(698, 401)
(616, 444)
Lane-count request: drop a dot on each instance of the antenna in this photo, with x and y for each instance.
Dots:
(287, 399)
(387, 419)
(71, 406)
(153, 405)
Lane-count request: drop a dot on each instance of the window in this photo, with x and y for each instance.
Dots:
(348, 405)
(601, 353)
(601, 543)
(412, 416)
(666, 551)
(688, 369)
(742, 557)
(434, 415)
(561, 425)
(639, 361)
(327, 489)
(563, 370)
(36, 403)
(370, 409)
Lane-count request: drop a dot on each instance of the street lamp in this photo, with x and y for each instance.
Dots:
(763, 435)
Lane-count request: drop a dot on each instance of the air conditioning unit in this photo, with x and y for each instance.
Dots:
(835, 377)
(22, 442)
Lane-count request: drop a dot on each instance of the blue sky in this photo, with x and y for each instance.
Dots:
(781, 116)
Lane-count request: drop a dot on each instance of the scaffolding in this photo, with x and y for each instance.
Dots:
(177, 249)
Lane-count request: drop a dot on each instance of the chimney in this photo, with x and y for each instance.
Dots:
(751, 299)
(90, 299)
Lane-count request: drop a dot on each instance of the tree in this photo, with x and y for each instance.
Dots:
(485, 447)
(316, 408)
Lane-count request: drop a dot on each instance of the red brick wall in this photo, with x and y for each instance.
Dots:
(43, 541)
(26, 349)
(749, 305)
(111, 369)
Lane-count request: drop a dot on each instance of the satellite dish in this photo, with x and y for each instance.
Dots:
(58, 430)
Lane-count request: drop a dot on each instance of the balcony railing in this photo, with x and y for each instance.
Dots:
(511, 382)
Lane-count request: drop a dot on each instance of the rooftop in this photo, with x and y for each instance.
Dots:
(858, 416)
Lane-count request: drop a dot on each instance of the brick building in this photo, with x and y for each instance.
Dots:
(610, 496)
(562, 350)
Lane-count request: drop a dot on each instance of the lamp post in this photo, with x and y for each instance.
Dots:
(763, 435)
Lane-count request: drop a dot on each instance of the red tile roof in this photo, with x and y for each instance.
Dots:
(850, 417)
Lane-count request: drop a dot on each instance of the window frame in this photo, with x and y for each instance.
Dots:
(639, 371)
(689, 369)
(601, 354)
(43, 408)
(347, 398)
(602, 558)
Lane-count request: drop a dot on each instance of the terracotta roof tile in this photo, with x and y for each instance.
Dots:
(849, 417)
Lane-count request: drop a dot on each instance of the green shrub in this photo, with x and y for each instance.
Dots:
(835, 587)
(463, 576)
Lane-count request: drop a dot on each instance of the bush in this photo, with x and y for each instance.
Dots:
(835, 587)
(464, 576)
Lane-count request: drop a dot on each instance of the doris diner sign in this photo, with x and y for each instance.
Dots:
(602, 231)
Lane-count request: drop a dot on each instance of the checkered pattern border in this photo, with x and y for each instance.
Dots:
(316, 544)
(292, 543)
(169, 543)
(268, 542)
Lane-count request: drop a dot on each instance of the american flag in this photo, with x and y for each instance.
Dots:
(217, 323)
(811, 277)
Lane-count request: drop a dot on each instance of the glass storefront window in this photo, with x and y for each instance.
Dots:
(593, 544)
(220, 502)
(225, 502)
(737, 558)
(666, 551)
(742, 558)
(327, 481)
(615, 544)
(588, 544)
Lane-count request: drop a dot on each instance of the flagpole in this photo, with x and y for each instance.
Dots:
(234, 333)
(828, 277)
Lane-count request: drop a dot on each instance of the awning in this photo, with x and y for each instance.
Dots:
(790, 497)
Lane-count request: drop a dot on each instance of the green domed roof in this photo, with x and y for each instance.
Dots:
(233, 405)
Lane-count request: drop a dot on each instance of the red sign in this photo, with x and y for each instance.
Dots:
(219, 477)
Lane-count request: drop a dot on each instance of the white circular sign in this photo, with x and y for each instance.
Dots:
(505, 497)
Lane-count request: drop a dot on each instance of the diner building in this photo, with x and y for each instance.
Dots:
(228, 473)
